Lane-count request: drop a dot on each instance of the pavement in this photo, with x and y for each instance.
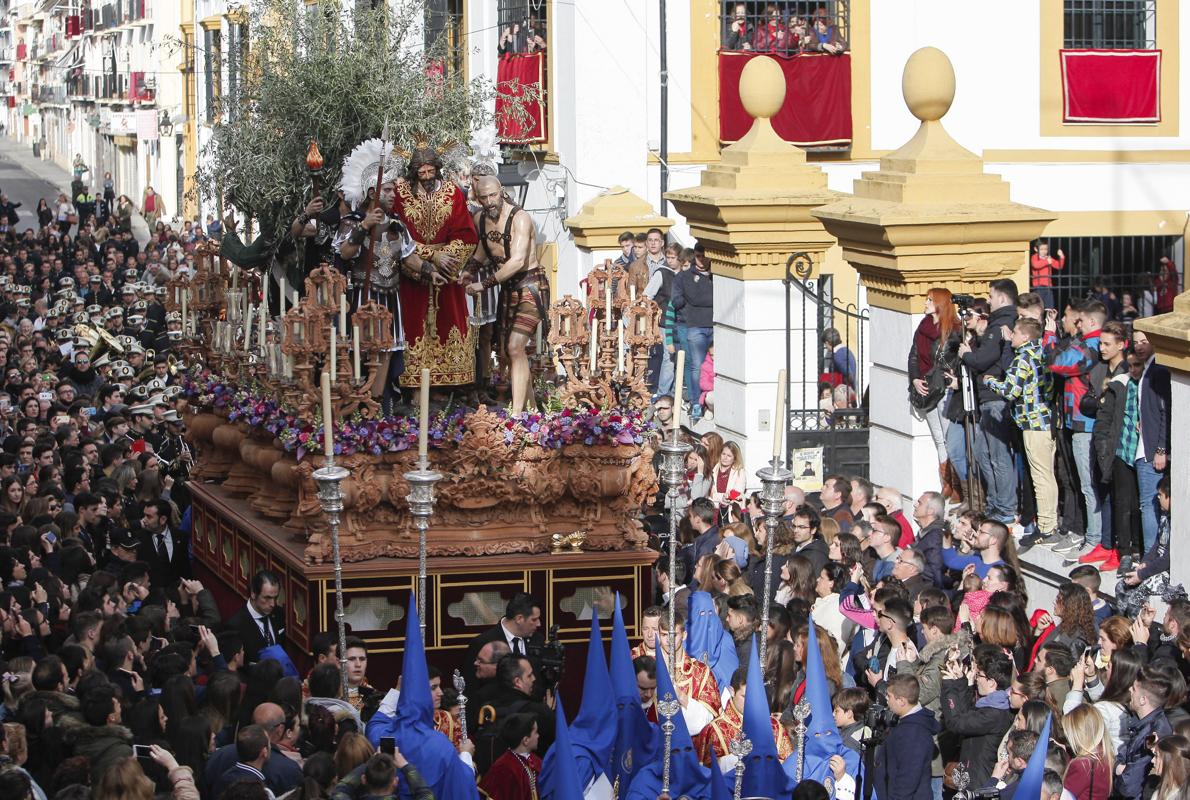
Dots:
(26, 179)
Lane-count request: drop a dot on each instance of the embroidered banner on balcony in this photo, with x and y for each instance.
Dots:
(1111, 86)
(514, 75)
(817, 107)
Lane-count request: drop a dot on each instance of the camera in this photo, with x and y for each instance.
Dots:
(962, 302)
(990, 793)
(1125, 565)
(551, 657)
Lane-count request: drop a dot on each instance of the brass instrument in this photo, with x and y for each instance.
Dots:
(98, 341)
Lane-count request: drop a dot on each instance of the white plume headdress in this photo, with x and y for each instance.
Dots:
(361, 164)
(485, 148)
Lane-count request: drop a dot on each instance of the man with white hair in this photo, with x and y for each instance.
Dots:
(929, 512)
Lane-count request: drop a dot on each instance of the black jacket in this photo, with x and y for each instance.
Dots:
(510, 701)
(929, 544)
(693, 298)
(816, 551)
(494, 634)
(903, 761)
(242, 623)
(1109, 420)
(981, 729)
(991, 355)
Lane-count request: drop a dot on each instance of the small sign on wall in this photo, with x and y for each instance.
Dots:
(806, 465)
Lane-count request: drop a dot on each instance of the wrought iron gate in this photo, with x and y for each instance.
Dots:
(841, 432)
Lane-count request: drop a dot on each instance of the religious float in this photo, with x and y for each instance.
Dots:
(474, 505)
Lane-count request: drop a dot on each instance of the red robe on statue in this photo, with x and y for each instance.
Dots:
(439, 222)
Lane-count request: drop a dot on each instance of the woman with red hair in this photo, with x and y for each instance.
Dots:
(933, 354)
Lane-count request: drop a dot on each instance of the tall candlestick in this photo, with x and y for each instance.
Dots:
(343, 315)
(607, 320)
(779, 415)
(282, 296)
(334, 354)
(620, 349)
(328, 436)
(680, 373)
(355, 350)
(423, 426)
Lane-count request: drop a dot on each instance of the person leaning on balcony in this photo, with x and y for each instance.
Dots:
(824, 36)
(738, 34)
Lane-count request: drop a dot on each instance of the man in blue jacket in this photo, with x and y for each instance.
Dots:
(903, 762)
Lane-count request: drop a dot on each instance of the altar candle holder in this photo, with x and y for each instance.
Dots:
(422, 481)
(324, 286)
(329, 479)
(773, 478)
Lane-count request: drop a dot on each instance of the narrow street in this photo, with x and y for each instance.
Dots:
(26, 180)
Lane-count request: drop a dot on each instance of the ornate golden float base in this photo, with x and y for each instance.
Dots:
(495, 498)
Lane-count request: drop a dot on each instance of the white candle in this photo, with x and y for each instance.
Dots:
(607, 320)
(235, 278)
(282, 297)
(343, 315)
(594, 349)
(185, 291)
(620, 349)
(680, 374)
(334, 354)
(423, 428)
(264, 290)
(632, 292)
(248, 330)
(295, 298)
(264, 318)
(288, 359)
(355, 350)
(779, 415)
(328, 437)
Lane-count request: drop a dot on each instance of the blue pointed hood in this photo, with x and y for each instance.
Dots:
(687, 777)
(591, 737)
(1029, 787)
(566, 783)
(708, 641)
(822, 735)
(722, 787)
(415, 704)
(413, 727)
(763, 776)
(637, 741)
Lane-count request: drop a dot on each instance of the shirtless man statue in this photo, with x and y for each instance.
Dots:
(507, 244)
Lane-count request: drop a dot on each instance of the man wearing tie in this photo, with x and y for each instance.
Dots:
(165, 551)
(519, 629)
(260, 623)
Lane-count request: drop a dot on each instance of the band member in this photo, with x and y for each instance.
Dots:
(507, 241)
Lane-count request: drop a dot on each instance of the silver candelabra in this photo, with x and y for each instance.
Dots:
(668, 707)
(773, 478)
(740, 747)
(422, 481)
(673, 474)
(800, 712)
(330, 496)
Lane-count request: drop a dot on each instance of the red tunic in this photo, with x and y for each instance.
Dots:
(439, 223)
(511, 777)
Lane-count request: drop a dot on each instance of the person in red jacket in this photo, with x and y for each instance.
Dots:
(1041, 270)
(514, 775)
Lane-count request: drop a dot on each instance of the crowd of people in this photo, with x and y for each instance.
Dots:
(782, 28)
(121, 679)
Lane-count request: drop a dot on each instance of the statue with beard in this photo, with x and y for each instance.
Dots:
(508, 244)
(437, 331)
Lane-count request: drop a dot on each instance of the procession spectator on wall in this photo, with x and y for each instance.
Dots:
(1042, 266)
(989, 357)
(934, 353)
(1153, 446)
(729, 480)
(694, 297)
(771, 35)
(1166, 286)
(1115, 439)
(739, 33)
(659, 290)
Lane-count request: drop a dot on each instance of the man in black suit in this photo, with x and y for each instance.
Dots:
(519, 629)
(260, 623)
(164, 550)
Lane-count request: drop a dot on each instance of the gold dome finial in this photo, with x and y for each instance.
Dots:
(762, 87)
(928, 84)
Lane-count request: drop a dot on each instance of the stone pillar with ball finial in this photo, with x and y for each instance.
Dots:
(929, 217)
(751, 211)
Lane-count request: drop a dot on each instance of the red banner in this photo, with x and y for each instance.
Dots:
(817, 108)
(514, 73)
(1111, 86)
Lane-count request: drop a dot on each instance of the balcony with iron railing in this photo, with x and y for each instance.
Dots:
(51, 94)
(809, 39)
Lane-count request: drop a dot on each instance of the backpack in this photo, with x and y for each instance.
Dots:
(488, 746)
